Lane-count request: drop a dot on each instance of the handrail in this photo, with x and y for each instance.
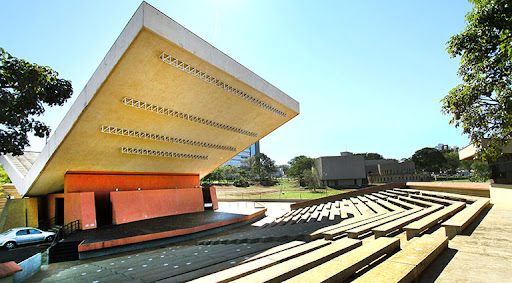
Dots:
(65, 231)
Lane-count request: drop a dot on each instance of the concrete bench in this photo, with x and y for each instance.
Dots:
(389, 227)
(374, 206)
(297, 265)
(397, 192)
(388, 205)
(262, 262)
(351, 208)
(452, 196)
(416, 228)
(391, 195)
(404, 204)
(354, 233)
(461, 220)
(342, 267)
(442, 201)
(320, 232)
(407, 264)
(418, 202)
(277, 249)
(329, 235)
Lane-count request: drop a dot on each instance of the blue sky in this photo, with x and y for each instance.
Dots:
(369, 75)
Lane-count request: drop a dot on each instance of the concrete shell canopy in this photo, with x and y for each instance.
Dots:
(162, 100)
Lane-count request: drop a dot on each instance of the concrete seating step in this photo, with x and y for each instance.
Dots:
(375, 206)
(249, 267)
(398, 192)
(388, 194)
(342, 267)
(404, 204)
(407, 264)
(452, 196)
(416, 228)
(442, 201)
(329, 235)
(354, 233)
(388, 205)
(293, 267)
(277, 249)
(456, 224)
(351, 208)
(385, 229)
(418, 202)
(319, 233)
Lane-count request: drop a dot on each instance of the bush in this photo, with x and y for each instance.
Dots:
(268, 182)
(241, 183)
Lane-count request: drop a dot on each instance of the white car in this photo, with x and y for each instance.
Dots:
(25, 235)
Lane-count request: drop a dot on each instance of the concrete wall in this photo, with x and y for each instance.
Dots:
(396, 168)
(129, 206)
(501, 194)
(19, 213)
(473, 189)
(341, 167)
(30, 267)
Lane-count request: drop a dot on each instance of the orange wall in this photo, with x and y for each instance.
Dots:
(213, 194)
(129, 206)
(51, 204)
(102, 183)
(80, 206)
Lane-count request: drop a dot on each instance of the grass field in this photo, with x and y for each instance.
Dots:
(290, 189)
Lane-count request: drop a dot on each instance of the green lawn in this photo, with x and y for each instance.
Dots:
(290, 189)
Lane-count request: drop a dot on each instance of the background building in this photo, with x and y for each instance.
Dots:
(346, 170)
(246, 153)
(349, 170)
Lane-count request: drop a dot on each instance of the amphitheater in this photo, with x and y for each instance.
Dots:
(390, 233)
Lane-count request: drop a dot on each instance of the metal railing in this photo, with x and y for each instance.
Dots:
(65, 231)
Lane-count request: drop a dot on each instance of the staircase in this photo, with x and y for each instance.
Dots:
(63, 251)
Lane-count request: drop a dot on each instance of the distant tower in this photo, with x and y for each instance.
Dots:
(248, 152)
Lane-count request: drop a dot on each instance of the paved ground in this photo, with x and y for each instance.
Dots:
(482, 254)
(21, 253)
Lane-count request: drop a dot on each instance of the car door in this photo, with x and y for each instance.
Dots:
(22, 236)
(36, 235)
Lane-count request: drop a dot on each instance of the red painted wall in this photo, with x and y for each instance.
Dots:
(129, 206)
(80, 206)
(213, 194)
(51, 204)
(102, 183)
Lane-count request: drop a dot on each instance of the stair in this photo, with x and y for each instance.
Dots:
(63, 251)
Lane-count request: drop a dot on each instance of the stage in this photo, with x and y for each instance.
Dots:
(113, 239)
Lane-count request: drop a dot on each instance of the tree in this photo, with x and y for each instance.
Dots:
(24, 90)
(4, 179)
(452, 160)
(482, 103)
(480, 171)
(371, 156)
(312, 178)
(428, 159)
(298, 164)
(262, 166)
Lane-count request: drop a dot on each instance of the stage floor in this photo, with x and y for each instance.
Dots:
(157, 228)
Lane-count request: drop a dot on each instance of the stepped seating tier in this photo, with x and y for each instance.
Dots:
(416, 228)
(456, 224)
(407, 264)
(342, 267)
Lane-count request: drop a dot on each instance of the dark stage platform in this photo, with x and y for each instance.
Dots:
(151, 232)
